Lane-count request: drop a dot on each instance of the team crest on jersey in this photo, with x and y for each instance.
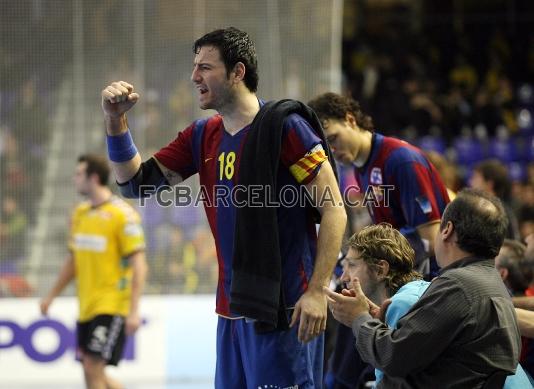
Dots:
(424, 204)
(376, 176)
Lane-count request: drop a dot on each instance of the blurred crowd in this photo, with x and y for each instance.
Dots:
(461, 95)
(24, 136)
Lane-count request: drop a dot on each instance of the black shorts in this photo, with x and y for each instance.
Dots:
(103, 336)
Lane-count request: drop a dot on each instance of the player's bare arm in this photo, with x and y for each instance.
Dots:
(311, 309)
(525, 320)
(139, 270)
(66, 275)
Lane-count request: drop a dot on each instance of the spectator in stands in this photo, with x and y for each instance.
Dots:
(492, 177)
(384, 271)
(13, 239)
(30, 120)
(525, 311)
(515, 272)
(448, 172)
(463, 331)
(13, 224)
(526, 220)
(12, 169)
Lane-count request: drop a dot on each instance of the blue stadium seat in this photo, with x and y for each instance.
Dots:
(529, 149)
(517, 171)
(505, 150)
(432, 143)
(468, 151)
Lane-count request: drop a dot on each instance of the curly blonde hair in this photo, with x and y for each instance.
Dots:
(382, 241)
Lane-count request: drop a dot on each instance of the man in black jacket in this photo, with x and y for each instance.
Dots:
(463, 331)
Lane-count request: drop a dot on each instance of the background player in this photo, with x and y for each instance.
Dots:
(107, 259)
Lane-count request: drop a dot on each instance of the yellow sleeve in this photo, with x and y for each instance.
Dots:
(131, 236)
(73, 220)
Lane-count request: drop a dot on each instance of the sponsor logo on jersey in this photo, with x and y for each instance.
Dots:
(89, 242)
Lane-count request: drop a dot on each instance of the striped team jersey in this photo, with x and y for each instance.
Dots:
(206, 148)
(101, 239)
(403, 188)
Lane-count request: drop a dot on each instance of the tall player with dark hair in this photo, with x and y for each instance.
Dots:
(272, 263)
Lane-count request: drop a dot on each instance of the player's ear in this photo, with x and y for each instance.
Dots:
(238, 73)
(503, 272)
(447, 231)
(351, 120)
(94, 178)
(382, 268)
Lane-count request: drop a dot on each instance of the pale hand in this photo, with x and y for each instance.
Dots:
(133, 322)
(118, 98)
(310, 312)
(347, 306)
(377, 312)
(44, 304)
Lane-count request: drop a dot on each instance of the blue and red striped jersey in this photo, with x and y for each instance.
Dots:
(403, 188)
(206, 148)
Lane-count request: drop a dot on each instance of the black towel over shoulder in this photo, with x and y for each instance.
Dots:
(256, 290)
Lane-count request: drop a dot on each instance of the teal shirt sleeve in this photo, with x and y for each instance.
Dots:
(518, 380)
(401, 303)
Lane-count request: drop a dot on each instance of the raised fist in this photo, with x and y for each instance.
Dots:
(118, 98)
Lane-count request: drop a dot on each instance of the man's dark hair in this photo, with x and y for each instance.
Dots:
(479, 221)
(495, 171)
(512, 258)
(333, 106)
(96, 164)
(235, 46)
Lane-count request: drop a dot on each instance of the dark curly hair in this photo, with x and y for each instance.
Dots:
(333, 106)
(235, 46)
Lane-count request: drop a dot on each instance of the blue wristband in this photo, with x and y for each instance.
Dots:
(121, 148)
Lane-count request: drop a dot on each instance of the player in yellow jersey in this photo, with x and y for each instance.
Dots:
(107, 259)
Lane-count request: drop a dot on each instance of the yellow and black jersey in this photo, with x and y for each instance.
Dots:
(101, 240)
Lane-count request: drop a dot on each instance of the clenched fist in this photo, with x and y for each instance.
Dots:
(118, 98)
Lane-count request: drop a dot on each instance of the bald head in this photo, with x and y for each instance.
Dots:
(479, 221)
